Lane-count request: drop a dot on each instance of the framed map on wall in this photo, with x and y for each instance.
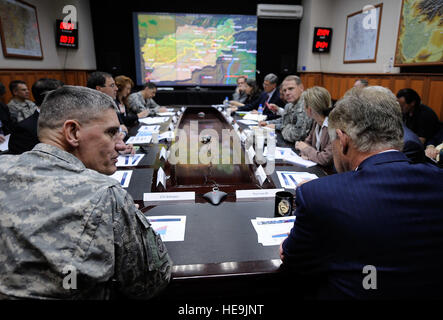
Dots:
(19, 30)
(362, 32)
(420, 33)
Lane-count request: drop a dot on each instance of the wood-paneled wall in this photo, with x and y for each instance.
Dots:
(428, 86)
(71, 77)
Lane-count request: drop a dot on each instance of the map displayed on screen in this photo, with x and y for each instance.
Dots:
(194, 49)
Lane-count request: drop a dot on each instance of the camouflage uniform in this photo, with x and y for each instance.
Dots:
(21, 110)
(137, 103)
(294, 123)
(56, 213)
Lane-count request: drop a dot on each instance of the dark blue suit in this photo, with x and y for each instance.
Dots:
(261, 100)
(24, 137)
(388, 213)
(413, 148)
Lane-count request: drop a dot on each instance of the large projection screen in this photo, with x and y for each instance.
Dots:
(194, 49)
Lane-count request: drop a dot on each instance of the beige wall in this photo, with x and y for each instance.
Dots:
(333, 13)
(59, 58)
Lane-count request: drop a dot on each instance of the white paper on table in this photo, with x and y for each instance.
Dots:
(291, 179)
(129, 161)
(139, 140)
(171, 126)
(123, 177)
(174, 119)
(247, 122)
(166, 114)
(170, 109)
(236, 126)
(255, 117)
(166, 135)
(242, 112)
(154, 120)
(295, 158)
(279, 152)
(4, 144)
(243, 137)
(183, 109)
(273, 231)
(261, 175)
(169, 228)
(151, 129)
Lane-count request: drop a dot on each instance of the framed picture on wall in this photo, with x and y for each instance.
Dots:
(420, 34)
(362, 33)
(19, 30)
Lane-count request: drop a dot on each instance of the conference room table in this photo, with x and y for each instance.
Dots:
(220, 255)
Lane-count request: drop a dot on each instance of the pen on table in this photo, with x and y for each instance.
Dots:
(126, 159)
(124, 178)
(165, 220)
(286, 180)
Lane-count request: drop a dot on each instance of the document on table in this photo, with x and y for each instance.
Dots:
(124, 177)
(144, 139)
(166, 114)
(4, 144)
(154, 120)
(255, 117)
(129, 161)
(273, 231)
(295, 158)
(166, 135)
(169, 228)
(248, 122)
(151, 129)
(279, 152)
(291, 180)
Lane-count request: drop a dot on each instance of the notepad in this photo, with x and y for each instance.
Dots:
(124, 177)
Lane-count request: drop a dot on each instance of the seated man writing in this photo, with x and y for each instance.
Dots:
(62, 215)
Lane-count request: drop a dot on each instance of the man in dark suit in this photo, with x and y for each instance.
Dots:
(24, 138)
(270, 95)
(413, 148)
(374, 231)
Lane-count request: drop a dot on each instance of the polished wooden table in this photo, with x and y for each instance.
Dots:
(220, 252)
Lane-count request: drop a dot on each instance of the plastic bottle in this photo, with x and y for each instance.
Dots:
(226, 102)
(271, 146)
(260, 109)
(391, 64)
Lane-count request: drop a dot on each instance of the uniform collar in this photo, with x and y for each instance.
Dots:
(59, 153)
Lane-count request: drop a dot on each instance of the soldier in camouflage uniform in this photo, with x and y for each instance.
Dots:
(294, 123)
(62, 216)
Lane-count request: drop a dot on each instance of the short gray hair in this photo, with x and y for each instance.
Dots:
(70, 102)
(293, 78)
(272, 78)
(371, 117)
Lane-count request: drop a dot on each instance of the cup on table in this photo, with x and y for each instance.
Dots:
(284, 202)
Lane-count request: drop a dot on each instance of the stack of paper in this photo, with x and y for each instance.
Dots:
(291, 180)
(166, 114)
(248, 122)
(155, 120)
(140, 139)
(279, 152)
(129, 161)
(124, 177)
(151, 129)
(254, 117)
(272, 231)
(295, 158)
(169, 228)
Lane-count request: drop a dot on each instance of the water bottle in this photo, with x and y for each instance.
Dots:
(260, 109)
(271, 146)
(226, 102)
(391, 65)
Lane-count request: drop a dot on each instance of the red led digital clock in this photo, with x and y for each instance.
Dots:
(67, 34)
(322, 40)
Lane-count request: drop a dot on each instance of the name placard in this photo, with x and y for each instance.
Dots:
(257, 193)
(163, 197)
